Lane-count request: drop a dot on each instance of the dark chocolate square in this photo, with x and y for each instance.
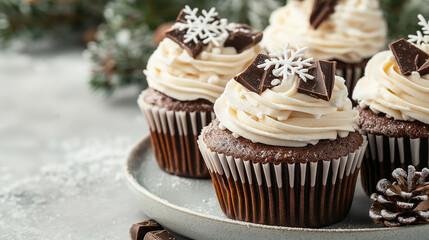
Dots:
(243, 37)
(424, 69)
(194, 49)
(252, 77)
(139, 230)
(408, 57)
(159, 235)
(323, 83)
(321, 10)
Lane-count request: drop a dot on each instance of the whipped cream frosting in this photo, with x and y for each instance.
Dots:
(172, 71)
(384, 89)
(354, 32)
(281, 116)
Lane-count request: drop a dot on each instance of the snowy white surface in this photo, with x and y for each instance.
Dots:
(62, 150)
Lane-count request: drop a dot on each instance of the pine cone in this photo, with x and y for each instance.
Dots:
(403, 202)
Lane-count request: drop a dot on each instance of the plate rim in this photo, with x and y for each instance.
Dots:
(132, 181)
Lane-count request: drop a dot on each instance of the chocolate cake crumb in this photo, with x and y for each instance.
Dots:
(157, 98)
(222, 141)
(379, 124)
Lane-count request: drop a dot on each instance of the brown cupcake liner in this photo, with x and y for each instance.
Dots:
(312, 194)
(351, 73)
(385, 154)
(174, 136)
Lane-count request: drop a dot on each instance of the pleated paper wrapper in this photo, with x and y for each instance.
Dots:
(351, 73)
(174, 136)
(312, 194)
(385, 154)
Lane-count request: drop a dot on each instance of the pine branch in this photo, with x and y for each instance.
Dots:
(28, 20)
(142, 17)
(401, 16)
(127, 39)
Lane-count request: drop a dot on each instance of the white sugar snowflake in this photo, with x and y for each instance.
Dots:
(421, 37)
(206, 27)
(288, 63)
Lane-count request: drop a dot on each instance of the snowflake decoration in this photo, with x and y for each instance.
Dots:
(206, 27)
(288, 63)
(421, 38)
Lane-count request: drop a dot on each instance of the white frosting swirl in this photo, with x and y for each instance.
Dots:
(281, 116)
(384, 89)
(355, 31)
(174, 72)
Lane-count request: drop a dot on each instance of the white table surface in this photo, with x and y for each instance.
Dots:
(62, 149)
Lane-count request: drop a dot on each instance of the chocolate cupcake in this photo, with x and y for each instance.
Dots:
(394, 109)
(284, 149)
(186, 74)
(348, 32)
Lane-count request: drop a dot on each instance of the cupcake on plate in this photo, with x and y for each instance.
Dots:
(346, 31)
(393, 99)
(186, 74)
(284, 149)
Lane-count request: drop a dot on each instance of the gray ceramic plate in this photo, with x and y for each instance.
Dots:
(189, 207)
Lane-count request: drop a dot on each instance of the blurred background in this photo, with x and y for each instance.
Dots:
(121, 34)
(70, 74)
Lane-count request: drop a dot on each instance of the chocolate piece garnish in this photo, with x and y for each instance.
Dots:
(409, 57)
(268, 77)
(159, 235)
(194, 49)
(322, 9)
(243, 37)
(323, 83)
(182, 16)
(424, 69)
(139, 230)
(256, 79)
(194, 32)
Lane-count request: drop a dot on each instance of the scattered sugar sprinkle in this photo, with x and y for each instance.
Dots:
(85, 168)
(275, 82)
(210, 206)
(415, 75)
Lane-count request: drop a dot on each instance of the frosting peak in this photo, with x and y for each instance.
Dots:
(173, 71)
(200, 54)
(385, 89)
(281, 116)
(354, 32)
